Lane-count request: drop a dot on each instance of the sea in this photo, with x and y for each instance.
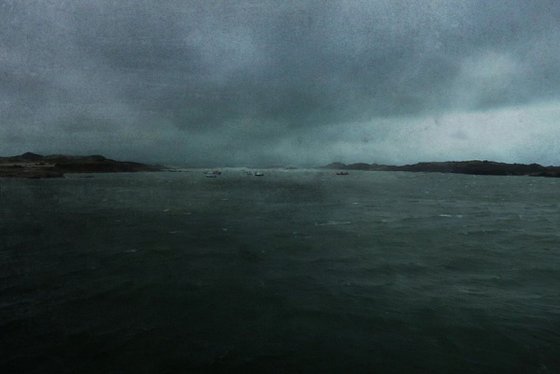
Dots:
(295, 271)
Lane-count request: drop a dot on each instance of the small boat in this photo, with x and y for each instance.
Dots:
(341, 173)
(212, 174)
(258, 174)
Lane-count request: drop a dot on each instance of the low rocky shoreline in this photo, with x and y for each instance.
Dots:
(474, 167)
(32, 165)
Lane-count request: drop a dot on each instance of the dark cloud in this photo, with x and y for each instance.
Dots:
(279, 82)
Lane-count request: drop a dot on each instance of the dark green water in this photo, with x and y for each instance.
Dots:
(296, 271)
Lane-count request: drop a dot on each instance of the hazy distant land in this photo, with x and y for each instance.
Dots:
(32, 165)
(475, 167)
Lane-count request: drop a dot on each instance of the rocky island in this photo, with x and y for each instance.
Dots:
(32, 165)
(474, 167)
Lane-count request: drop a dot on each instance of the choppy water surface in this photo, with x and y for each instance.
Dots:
(294, 271)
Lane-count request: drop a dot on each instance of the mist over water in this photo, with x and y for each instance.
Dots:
(298, 270)
(295, 270)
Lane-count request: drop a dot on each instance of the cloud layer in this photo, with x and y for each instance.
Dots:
(299, 82)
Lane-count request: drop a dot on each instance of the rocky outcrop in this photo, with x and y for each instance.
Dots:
(475, 167)
(32, 165)
(18, 171)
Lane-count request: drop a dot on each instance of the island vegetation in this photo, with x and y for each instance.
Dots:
(32, 165)
(474, 167)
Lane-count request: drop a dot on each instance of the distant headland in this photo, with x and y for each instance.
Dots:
(474, 167)
(32, 165)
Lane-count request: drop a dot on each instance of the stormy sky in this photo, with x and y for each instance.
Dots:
(291, 82)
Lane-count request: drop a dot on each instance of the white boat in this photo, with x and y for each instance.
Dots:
(212, 174)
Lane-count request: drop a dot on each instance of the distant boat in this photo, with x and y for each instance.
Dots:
(212, 174)
(342, 173)
(258, 174)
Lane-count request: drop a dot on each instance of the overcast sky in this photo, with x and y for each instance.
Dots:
(299, 82)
